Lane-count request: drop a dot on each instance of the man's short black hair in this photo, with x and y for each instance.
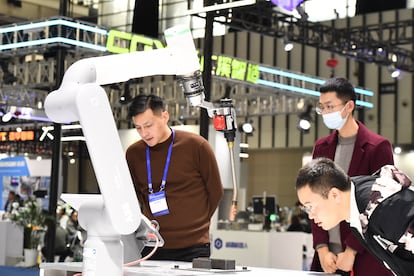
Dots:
(343, 88)
(322, 174)
(143, 102)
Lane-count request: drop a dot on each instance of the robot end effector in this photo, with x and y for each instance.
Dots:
(224, 116)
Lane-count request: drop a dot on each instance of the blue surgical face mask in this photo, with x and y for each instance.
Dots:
(334, 120)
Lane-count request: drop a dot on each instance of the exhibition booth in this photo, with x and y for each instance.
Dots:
(25, 177)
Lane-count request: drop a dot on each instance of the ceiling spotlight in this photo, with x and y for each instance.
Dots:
(39, 104)
(247, 128)
(288, 45)
(395, 72)
(305, 119)
(397, 150)
(394, 57)
(126, 97)
(304, 124)
(6, 117)
(300, 104)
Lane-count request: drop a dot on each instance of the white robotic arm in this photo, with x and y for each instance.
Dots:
(179, 58)
(81, 98)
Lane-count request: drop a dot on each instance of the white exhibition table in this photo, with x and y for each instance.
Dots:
(11, 243)
(160, 268)
(255, 252)
(282, 250)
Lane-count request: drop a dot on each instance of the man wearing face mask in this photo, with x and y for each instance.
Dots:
(358, 151)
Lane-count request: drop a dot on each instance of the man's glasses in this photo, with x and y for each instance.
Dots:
(307, 209)
(327, 109)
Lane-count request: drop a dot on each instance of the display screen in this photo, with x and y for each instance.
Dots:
(261, 206)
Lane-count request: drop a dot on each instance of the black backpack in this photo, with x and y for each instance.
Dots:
(386, 203)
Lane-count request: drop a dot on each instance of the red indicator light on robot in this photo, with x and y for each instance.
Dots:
(219, 122)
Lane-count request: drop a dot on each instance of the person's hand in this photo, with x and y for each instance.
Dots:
(345, 260)
(233, 212)
(327, 259)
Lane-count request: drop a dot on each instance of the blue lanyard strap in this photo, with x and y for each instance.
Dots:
(167, 165)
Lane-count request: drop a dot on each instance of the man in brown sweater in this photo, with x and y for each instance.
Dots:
(176, 178)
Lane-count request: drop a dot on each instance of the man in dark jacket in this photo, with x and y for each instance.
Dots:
(358, 151)
(379, 208)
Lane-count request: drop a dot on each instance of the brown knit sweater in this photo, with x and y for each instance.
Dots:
(193, 189)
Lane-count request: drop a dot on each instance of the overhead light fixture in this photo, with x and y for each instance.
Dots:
(395, 73)
(304, 124)
(244, 145)
(243, 155)
(288, 45)
(247, 128)
(8, 113)
(300, 104)
(33, 57)
(393, 57)
(6, 116)
(126, 97)
(397, 150)
(305, 119)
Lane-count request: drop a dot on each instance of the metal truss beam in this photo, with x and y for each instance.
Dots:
(377, 43)
(29, 63)
(39, 36)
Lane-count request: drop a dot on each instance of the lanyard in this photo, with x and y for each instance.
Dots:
(167, 164)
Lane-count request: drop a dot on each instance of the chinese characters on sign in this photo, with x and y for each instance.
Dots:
(26, 135)
(235, 69)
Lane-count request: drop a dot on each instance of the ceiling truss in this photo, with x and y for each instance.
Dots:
(389, 43)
